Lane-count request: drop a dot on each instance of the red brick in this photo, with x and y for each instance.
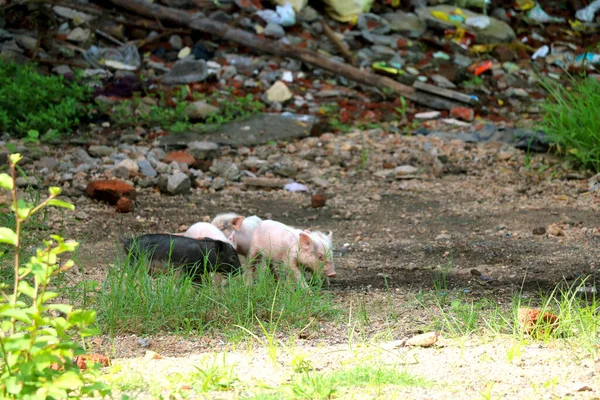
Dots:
(318, 200)
(182, 157)
(110, 190)
(464, 113)
(124, 205)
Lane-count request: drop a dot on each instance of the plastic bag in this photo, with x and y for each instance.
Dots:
(538, 15)
(124, 58)
(347, 10)
(283, 15)
(297, 4)
(586, 14)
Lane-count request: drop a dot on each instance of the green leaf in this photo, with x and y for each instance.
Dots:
(63, 308)
(6, 182)
(9, 236)
(82, 317)
(60, 203)
(55, 191)
(26, 289)
(69, 380)
(19, 315)
(13, 385)
(15, 158)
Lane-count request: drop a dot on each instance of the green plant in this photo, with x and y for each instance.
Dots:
(213, 377)
(32, 339)
(313, 386)
(30, 101)
(473, 83)
(32, 136)
(571, 119)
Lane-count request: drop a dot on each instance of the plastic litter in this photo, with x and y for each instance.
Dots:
(460, 37)
(587, 14)
(295, 187)
(297, 4)
(541, 52)
(124, 58)
(283, 15)
(588, 58)
(482, 67)
(479, 22)
(347, 10)
(387, 68)
(538, 15)
(524, 5)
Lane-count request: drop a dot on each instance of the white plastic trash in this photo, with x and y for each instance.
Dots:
(541, 52)
(587, 14)
(282, 15)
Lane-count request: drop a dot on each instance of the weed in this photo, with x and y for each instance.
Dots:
(313, 386)
(440, 278)
(31, 102)
(366, 375)
(571, 119)
(133, 302)
(473, 83)
(31, 338)
(213, 377)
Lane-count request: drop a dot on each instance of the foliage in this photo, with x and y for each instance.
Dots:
(36, 345)
(30, 101)
(571, 119)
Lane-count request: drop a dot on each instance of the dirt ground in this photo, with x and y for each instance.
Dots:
(477, 219)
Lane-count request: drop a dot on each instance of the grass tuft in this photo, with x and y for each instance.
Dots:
(571, 119)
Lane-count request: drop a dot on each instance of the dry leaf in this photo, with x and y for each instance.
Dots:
(81, 361)
(423, 340)
(151, 355)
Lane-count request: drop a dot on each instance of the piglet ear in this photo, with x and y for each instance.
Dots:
(330, 236)
(305, 240)
(237, 222)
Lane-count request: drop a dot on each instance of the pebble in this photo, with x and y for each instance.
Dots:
(428, 115)
(146, 168)
(178, 183)
(274, 31)
(101, 151)
(125, 169)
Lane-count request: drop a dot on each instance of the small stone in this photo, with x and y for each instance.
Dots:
(442, 81)
(146, 168)
(63, 70)
(125, 169)
(405, 170)
(79, 35)
(475, 272)
(81, 215)
(516, 92)
(178, 183)
(176, 42)
(428, 115)
(555, 230)
(200, 110)
(274, 30)
(186, 71)
(504, 155)
(443, 236)
(318, 200)
(227, 170)
(270, 183)
(144, 342)
(181, 157)
(540, 230)
(279, 93)
(101, 151)
(218, 183)
(124, 205)
(504, 53)
(47, 162)
(81, 155)
(202, 150)
(424, 340)
(464, 113)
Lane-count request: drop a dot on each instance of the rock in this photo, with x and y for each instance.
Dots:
(516, 92)
(200, 110)
(186, 71)
(62, 70)
(504, 53)
(202, 150)
(181, 157)
(443, 236)
(226, 169)
(176, 42)
(555, 230)
(101, 151)
(372, 23)
(218, 183)
(308, 14)
(77, 16)
(318, 200)
(274, 30)
(110, 190)
(428, 115)
(178, 183)
(125, 169)
(497, 31)
(540, 230)
(407, 23)
(270, 183)
(279, 93)
(442, 81)
(124, 205)
(46, 162)
(146, 168)
(82, 156)
(464, 113)
(405, 170)
(423, 340)
(22, 182)
(79, 35)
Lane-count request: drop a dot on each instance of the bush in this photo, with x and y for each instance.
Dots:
(571, 120)
(36, 342)
(30, 101)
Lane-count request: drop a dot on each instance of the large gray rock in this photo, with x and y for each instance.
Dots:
(186, 71)
(407, 23)
(497, 31)
(101, 150)
(256, 130)
(202, 150)
(178, 183)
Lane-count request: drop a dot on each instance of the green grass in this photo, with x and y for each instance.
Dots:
(31, 101)
(133, 302)
(571, 119)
